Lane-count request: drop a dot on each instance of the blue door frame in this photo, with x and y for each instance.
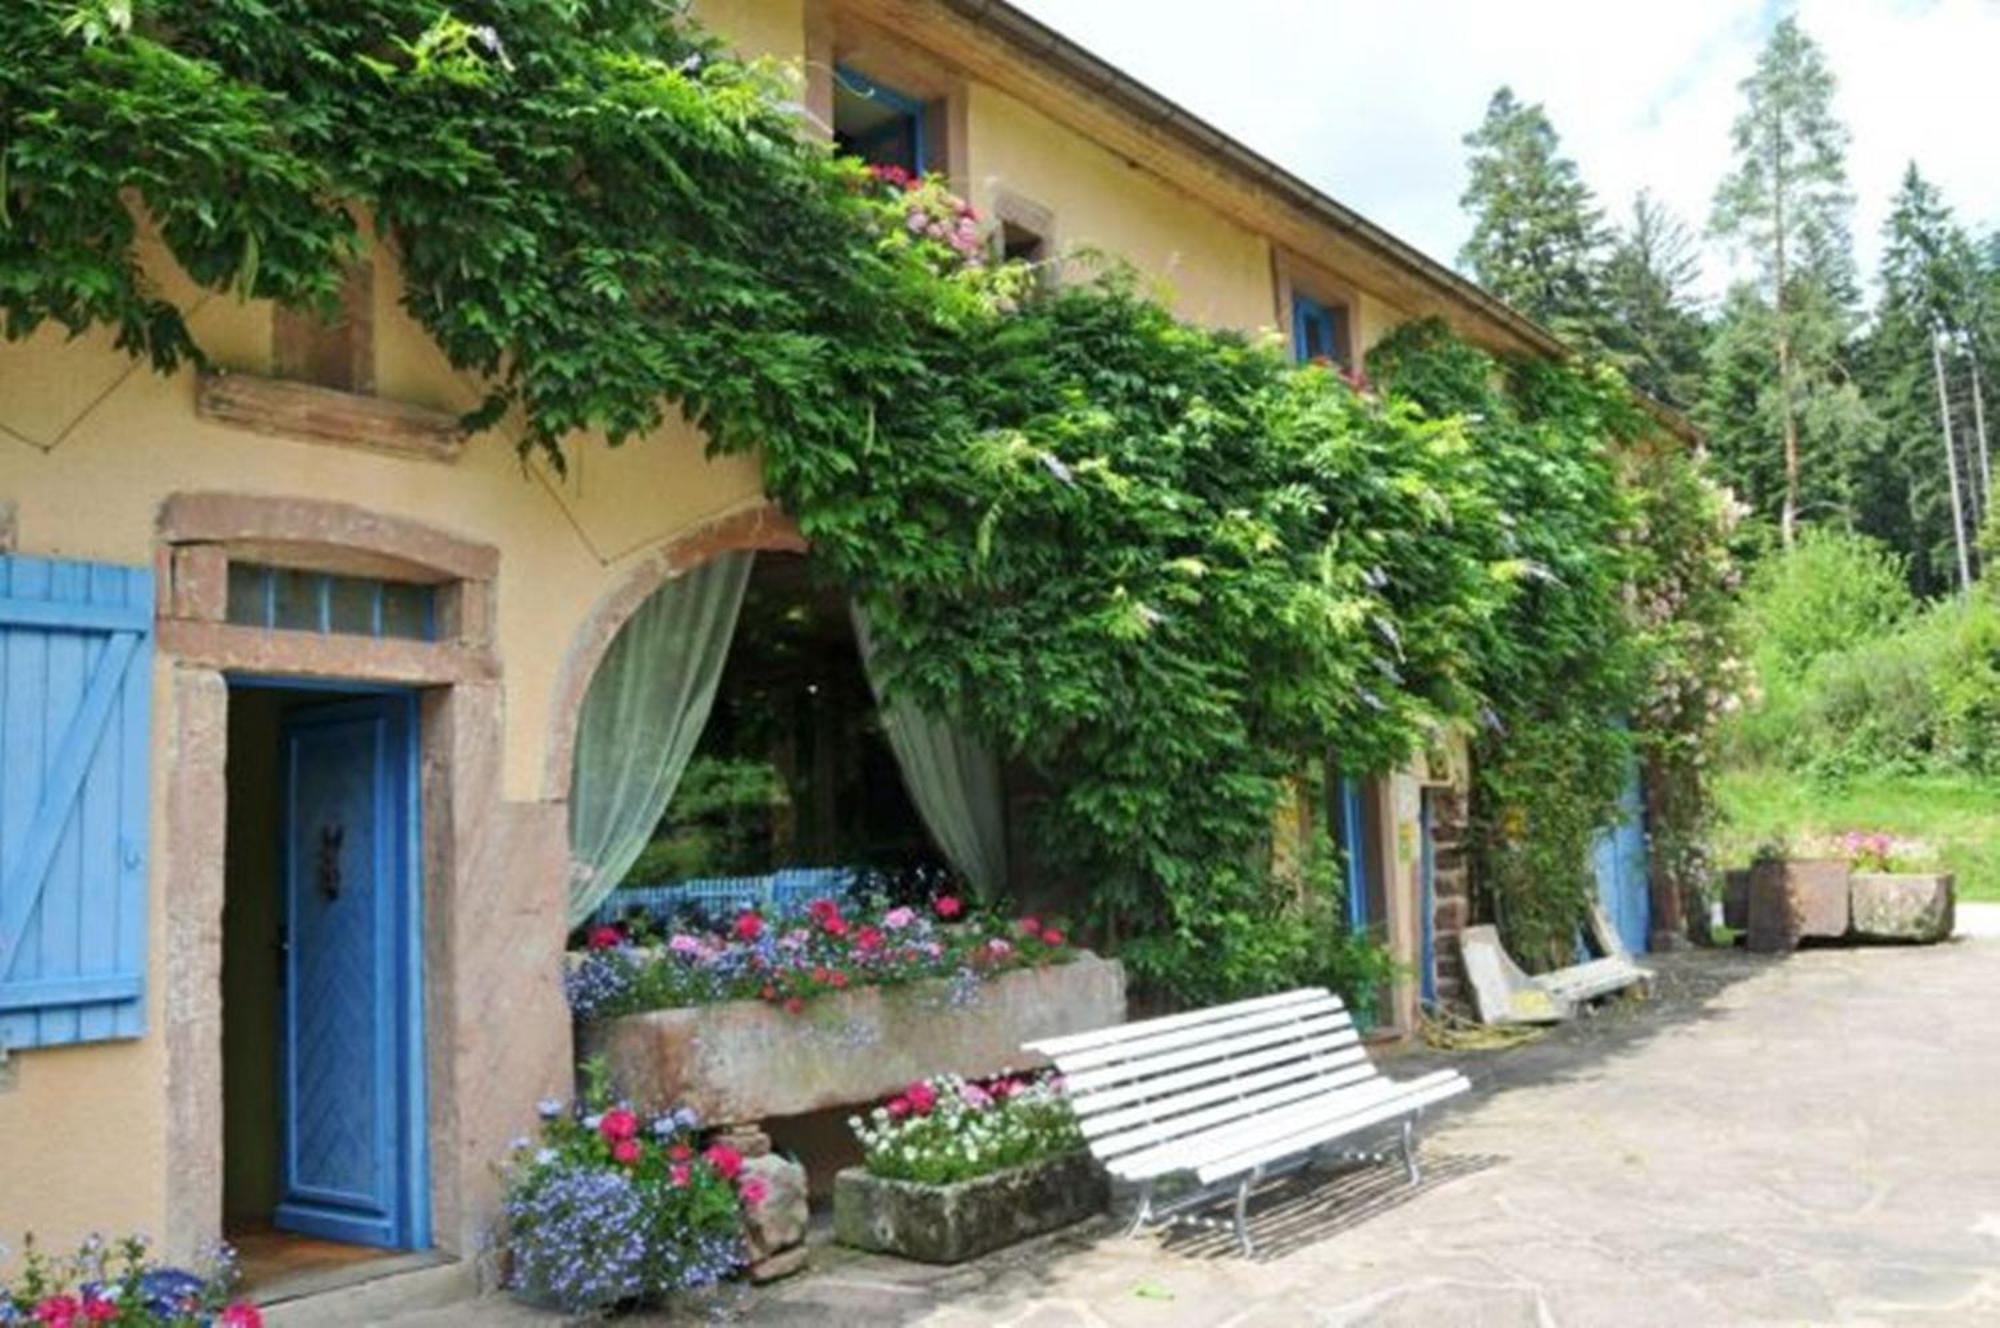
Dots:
(353, 1154)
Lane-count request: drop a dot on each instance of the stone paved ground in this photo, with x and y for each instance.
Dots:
(1808, 1140)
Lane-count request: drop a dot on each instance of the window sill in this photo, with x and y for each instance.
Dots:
(320, 414)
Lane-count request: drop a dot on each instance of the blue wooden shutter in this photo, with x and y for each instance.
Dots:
(76, 649)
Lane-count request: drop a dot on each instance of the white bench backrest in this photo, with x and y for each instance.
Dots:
(1136, 1088)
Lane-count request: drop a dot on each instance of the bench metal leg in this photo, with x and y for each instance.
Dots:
(1410, 1149)
(1242, 1215)
(1143, 1212)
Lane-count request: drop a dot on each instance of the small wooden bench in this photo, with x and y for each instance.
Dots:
(1503, 994)
(1232, 1096)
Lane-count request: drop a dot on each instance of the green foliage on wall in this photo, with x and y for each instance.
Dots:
(1157, 563)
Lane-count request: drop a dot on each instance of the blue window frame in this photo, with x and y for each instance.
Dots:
(1319, 331)
(303, 601)
(881, 126)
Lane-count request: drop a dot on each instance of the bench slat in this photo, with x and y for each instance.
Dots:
(1435, 1088)
(1219, 1032)
(1084, 1081)
(1054, 1048)
(1244, 1110)
(1331, 1052)
(1196, 1151)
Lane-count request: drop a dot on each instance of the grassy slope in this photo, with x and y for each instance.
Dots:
(1958, 815)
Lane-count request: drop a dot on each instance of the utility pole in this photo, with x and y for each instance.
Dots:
(1951, 463)
(1979, 431)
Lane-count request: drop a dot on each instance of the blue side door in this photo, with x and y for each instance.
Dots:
(1619, 859)
(351, 1161)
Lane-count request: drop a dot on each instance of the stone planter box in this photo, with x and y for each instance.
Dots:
(1797, 899)
(1902, 906)
(746, 1061)
(953, 1223)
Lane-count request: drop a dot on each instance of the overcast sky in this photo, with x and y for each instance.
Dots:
(1369, 101)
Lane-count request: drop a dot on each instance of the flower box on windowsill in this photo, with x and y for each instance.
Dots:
(739, 1062)
(953, 1223)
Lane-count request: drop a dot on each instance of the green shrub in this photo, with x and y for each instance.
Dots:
(1830, 591)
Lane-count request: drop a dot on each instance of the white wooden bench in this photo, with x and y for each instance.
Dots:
(1234, 1095)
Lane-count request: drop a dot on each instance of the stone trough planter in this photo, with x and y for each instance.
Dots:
(953, 1223)
(1781, 903)
(741, 1062)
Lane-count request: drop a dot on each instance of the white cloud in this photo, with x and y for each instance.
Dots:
(1370, 101)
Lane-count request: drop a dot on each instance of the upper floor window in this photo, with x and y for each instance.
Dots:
(1319, 332)
(304, 601)
(881, 126)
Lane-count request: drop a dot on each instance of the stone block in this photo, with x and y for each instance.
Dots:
(953, 1223)
(744, 1061)
(1794, 900)
(779, 1222)
(1902, 906)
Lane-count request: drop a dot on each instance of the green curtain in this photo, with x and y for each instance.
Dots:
(642, 718)
(952, 778)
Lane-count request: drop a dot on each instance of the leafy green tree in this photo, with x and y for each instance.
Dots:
(1655, 330)
(1786, 202)
(1538, 236)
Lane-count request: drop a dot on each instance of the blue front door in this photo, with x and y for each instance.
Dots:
(1618, 858)
(350, 1161)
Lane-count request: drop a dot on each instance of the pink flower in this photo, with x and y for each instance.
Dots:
(241, 1315)
(726, 1160)
(898, 1108)
(618, 1123)
(899, 917)
(1051, 936)
(835, 926)
(96, 1309)
(999, 947)
(793, 1005)
(948, 906)
(867, 940)
(58, 1311)
(605, 938)
(626, 1152)
(1030, 925)
(922, 1097)
(682, 943)
(753, 1190)
(839, 979)
(976, 1097)
(679, 1173)
(749, 926)
(680, 1152)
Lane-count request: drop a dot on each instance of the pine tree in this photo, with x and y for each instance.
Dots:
(1932, 282)
(1787, 203)
(1655, 329)
(1538, 236)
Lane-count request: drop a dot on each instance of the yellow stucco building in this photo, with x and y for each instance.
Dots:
(324, 467)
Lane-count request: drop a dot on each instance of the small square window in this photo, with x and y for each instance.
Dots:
(301, 601)
(881, 126)
(1020, 244)
(1319, 331)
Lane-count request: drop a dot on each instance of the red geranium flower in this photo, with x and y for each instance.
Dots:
(618, 1123)
(898, 1108)
(241, 1315)
(1051, 936)
(680, 1152)
(605, 938)
(96, 1309)
(726, 1160)
(1030, 926)
(948, 906)
(793, 1005)
(749, 926)
(922, 1097)
(838, 979)
(819, 910)
(867, 940)
(835, 926)
(626, 1152)
(680, 1173)
(58, 1311)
